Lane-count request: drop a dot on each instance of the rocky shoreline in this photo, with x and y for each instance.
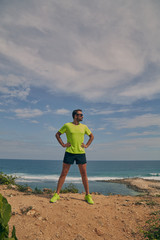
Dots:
(146, 186)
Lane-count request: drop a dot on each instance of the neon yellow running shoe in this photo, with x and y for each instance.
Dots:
(55, 198)
(89, 199)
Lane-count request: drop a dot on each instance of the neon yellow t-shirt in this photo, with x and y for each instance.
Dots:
(75, 136)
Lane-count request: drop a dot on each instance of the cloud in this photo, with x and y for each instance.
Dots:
(141, 121)
(51, 128)
(146, 133)
(142, 148)
(62, 111)
(34, 121)
(100, 51)
(14, 86)
(100, 129)
(94, 111)
(139, 143)
(28, 113)
(143, 90)
(29, 150)
(2, 110)
(108, 133)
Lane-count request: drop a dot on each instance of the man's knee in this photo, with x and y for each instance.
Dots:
(64, 172)
(83, 173)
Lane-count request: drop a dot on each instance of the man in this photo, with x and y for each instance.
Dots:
(75, 151)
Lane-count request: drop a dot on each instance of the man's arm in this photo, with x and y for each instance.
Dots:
(91, 137)
(58, 134)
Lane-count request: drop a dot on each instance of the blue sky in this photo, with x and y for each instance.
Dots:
(100, 56)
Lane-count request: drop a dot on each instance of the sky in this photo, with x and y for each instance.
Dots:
(100, 56)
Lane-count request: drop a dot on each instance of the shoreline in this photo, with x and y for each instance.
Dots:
(138, 184)
(147, 186)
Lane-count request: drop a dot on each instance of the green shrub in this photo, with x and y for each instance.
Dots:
(22, 188)
(37, 191)
(151, 231)
(5, 214)
(7, 179)
(151, 203)
(70, 189)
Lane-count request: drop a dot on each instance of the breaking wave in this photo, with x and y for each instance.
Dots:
(23, 177)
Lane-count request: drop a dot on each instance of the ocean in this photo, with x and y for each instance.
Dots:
(45, 173)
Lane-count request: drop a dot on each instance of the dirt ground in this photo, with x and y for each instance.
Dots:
(113, 217)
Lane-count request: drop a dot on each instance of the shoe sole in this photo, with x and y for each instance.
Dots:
(55, 201)
(88, 202)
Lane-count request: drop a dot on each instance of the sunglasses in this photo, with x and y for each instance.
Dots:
(81, 115)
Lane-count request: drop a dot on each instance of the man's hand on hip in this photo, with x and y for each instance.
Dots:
(67, 145)
(84, 145)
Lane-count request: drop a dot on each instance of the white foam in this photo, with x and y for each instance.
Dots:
(22, 177)
(154, 174)
(152, 178)
(103, 178)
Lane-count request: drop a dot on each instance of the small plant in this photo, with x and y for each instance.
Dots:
(151, 203)
(37, 191)
(138, 203)
(151, 231)
(22, 188)
(5, 214)
(155, 213)
(70, 189)
(7, 179)
(25, 210)
(147, 202)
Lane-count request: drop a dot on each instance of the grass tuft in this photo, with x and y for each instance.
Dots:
(69, 189)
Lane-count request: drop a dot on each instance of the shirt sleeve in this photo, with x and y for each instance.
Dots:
(62, 129)
(87, 131)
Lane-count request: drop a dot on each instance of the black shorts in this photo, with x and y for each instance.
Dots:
(69, 158)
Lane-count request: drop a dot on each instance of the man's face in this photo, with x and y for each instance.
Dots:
(79, 116)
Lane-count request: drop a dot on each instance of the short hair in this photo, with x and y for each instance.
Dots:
(75, 112)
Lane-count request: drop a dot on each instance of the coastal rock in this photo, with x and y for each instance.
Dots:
(98, 232)
(31, 212)
(47, 190)
(29, 189)
(13, 186)
(79, 237)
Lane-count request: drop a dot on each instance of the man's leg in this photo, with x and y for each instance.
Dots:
(63, 175)
(61, 180)
(83, 172)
